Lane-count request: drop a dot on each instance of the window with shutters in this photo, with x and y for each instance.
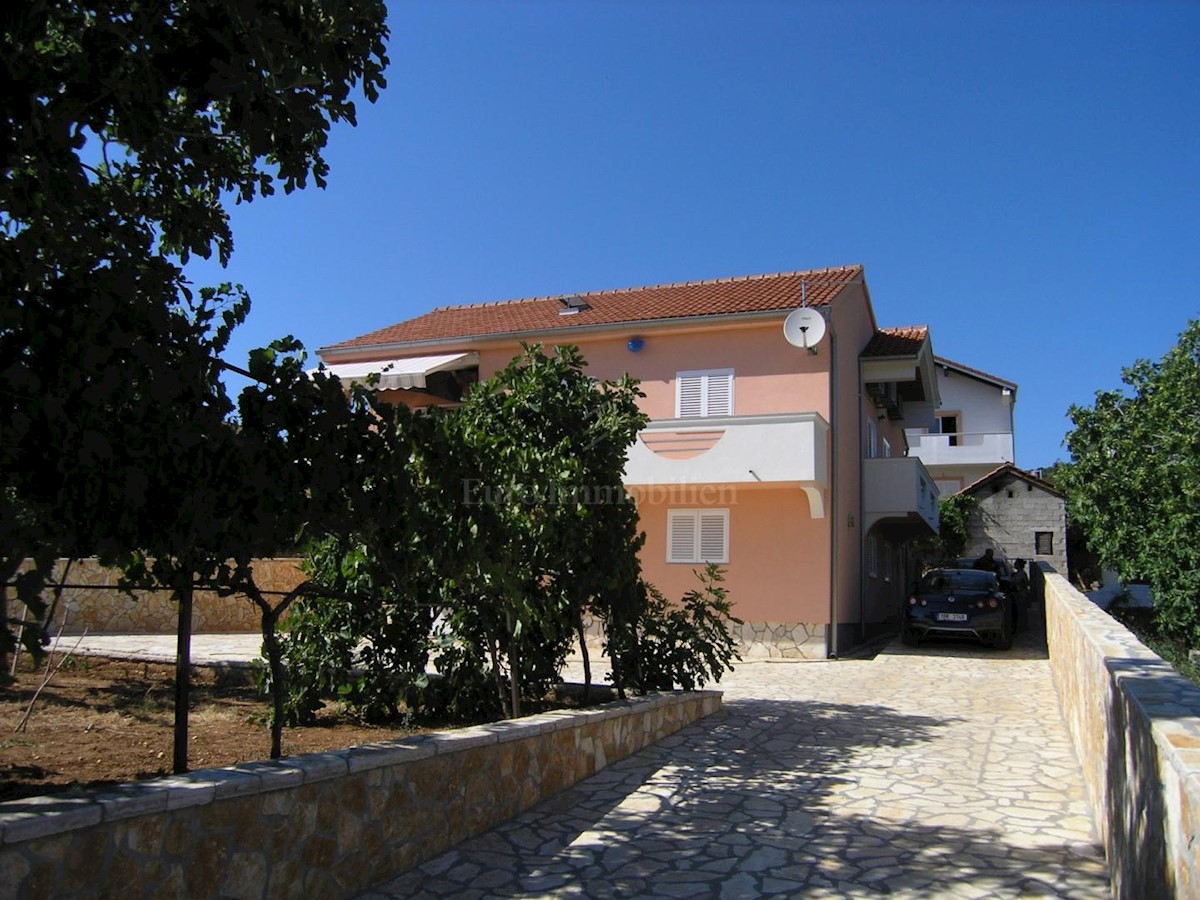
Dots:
(706, 393)
(698, 535)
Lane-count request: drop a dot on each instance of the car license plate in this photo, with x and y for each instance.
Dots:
(952, 617)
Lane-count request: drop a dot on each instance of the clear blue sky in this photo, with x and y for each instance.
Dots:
(1022, 176)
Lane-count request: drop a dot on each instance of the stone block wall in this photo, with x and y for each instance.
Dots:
(319, 825)
(1009, 523)
(98, 608)
(1135, 723)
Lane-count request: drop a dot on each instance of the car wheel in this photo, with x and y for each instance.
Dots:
(909, 637)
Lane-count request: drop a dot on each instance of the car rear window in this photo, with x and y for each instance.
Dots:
(956, 580)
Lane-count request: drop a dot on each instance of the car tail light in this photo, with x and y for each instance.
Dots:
(980, 604)
(993, 602)
(912, 601)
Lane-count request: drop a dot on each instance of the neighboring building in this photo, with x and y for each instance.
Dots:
(972, 431)
(784, 464)
(1020, 515)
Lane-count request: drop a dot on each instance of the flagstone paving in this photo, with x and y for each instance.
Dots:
(944, 771)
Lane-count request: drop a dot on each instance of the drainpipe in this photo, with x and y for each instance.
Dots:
(862, 517)
(831, 644)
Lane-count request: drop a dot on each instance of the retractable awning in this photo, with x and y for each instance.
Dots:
(403, 373)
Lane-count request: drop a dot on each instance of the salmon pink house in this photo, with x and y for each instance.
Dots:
(787, 464)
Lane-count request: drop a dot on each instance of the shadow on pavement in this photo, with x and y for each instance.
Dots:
(744, 804)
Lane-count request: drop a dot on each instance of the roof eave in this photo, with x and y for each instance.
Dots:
(334, 351)
(977, 374)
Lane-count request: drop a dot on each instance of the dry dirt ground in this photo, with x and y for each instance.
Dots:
(102, 721)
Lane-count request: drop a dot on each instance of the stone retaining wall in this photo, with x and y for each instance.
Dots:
(319, 825)
(100, 609)
(1136, 726)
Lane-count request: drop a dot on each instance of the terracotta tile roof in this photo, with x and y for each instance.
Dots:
(903, 341)
(978, 373)
(722, 297)
(1010, 469)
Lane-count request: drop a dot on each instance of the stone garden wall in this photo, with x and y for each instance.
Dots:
(319, 825)
(1136, 726)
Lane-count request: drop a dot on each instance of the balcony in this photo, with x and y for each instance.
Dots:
(899, 496)
(961, 448)
(773, 449)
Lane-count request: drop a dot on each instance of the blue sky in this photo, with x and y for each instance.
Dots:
(1022, 176)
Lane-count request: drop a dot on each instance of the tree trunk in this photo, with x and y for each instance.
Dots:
(587, 660)
(183, 676)
(4, 625)
(514, 670)
(270, 618)
(614, 657)
(496, 676)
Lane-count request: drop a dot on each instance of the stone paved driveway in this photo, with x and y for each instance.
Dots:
(939, 772)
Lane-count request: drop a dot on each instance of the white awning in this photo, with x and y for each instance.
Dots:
(403, 373)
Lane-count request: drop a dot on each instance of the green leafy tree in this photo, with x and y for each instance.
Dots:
(125, 128)
(517, 525)
(556, 529)
(656, 645)
(1134, 481)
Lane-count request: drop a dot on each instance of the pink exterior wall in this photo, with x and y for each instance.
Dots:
(770, 375)
(778, 567)
(853, 324)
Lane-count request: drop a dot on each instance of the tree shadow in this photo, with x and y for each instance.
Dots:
(762, 798)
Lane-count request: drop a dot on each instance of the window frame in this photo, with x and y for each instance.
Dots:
(952, 437)
(697, 557)
(705, 376)
(1037, 536)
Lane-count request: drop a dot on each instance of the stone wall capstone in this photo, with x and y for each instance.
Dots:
(322, 824)
(1135, 723)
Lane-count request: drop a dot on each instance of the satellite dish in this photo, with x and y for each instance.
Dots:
(804, 327)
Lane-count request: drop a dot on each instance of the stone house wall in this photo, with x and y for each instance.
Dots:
(1009, 523)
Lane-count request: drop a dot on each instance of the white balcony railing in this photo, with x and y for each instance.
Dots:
(961, 448)
(782, 448)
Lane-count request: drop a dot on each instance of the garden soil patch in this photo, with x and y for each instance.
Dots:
(101, 722)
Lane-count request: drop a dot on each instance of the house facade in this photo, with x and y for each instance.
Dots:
(785, 464)
(972, 431)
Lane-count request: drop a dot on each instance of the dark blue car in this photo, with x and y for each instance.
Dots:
(959, 603)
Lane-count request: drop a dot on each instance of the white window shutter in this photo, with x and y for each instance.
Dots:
(720, 395)
(690, 394)
(704, 393)
(698, 535)
(681, 537)
(714, 537)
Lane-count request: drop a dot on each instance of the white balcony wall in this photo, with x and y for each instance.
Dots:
(785, 448)
(969, 448)
(899, 489)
